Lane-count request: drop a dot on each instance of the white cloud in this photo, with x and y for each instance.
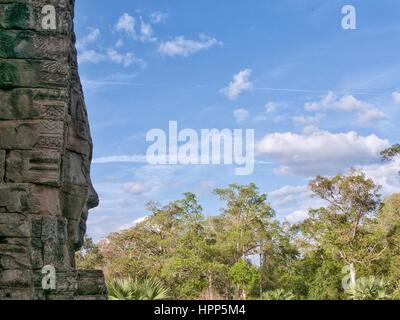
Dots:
(239, 84)
(90, 38)
(90, 56)
(136, 158)
(293, 202)
(297, 216)
(135, 188)
(370, 115)
(158, 17)
(141, 31)
(331, 101)
(241, 115)
(396, 97)
(287, 195)
(385, 175)
(132, 224)
(308, 120)
(270, 107)
(320, 152)
(180, 46)
(146, 32)
(125, 59)
(86, 55)
(126, 23)
(367, 113)
(119, 43)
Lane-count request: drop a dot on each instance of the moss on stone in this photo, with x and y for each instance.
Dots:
(17, 15)
(14, 44)
(8, 74)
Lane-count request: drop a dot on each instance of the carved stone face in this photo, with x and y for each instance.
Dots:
(79, 195)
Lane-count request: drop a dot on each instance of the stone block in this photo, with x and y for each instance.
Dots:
(16, 278)
(66, 283)
(74, 200)
(33, 199)
(75, 169)
(14, 198)
(40, 167)
(30, 104)
(24, 44)
(49, 229)
(54, 239)
(28, 15)
(33, 134)
(2, 165)
(36, 253)
(91, 283)
(10, 293)
(15, 73)
(14, 256)
(14, 225)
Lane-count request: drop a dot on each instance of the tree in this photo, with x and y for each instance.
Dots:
(245, 221)
(343, 228)
(245, 276)
(388, 226)
(391, 153)
(89, 257)
(208, 257)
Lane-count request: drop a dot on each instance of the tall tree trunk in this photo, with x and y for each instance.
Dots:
(261, 275)
(353, 276)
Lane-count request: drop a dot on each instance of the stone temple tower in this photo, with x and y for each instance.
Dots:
(45, 155)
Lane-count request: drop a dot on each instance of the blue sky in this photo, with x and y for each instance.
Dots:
(321, 99)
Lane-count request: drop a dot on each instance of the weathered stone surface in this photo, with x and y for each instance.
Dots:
(73, 171)
(41, 167)
(23, 104)
(74, 199)
(14, 225)
(32, 199)
(28, 15)
(45, 200)
(14, 257)
(66, 285)
(14, 198)
(33, 134)
(91, 283)
(2, 165)
(45, 152)
(16, 73)
(27, 45)
(12, 293)
(16, 278)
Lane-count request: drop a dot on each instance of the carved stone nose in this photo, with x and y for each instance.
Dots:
(93, 198)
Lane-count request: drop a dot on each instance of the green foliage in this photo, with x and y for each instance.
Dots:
(391, 153)
(89, 257)
(344, 229)
(195, 256)
(245, 276)
(129, 289)
(370, 288)
(278, 295)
